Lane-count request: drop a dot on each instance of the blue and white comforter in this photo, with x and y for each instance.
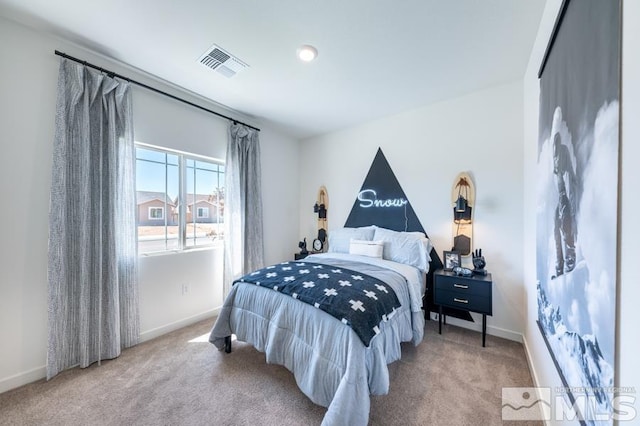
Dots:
(358, 300)
(332, 365)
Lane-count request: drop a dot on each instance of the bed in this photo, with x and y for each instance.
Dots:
(332, 364)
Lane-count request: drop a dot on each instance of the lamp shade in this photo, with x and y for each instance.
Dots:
(463, 216)
(461, 204)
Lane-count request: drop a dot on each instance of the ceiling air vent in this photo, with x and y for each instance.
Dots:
(222, 61)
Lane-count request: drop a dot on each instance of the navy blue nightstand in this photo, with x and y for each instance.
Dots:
(472, 294)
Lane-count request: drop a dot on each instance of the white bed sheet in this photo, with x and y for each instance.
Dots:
(330, 363)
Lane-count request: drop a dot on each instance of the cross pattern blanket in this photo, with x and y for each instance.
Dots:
(358, 300)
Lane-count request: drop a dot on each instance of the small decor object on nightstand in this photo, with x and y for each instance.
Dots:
(303, 246)
(303, 250)
(451, 260)
(317, 244)
(479, 263)
(462, 272)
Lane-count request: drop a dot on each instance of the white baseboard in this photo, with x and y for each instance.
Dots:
(38, 373)
(534, 374)
(21, 379)
(477, 326)
(159, 331)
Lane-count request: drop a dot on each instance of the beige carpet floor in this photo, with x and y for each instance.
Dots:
(181, 379)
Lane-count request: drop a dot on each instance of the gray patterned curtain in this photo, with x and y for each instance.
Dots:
(93, 294)
(243, 205)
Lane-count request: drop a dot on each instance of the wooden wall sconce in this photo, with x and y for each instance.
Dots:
(463, 198)
(320, 207)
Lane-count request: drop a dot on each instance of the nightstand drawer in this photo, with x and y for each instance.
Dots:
(465, 301)
(464, 285)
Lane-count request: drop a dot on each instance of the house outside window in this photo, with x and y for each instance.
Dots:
(180, 200)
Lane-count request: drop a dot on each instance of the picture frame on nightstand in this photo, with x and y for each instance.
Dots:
(451, 259)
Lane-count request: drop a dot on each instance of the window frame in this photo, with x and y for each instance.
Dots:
(151, 217)
(182, 199)
(205, 210)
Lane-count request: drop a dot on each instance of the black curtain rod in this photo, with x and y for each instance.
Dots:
(153, 89)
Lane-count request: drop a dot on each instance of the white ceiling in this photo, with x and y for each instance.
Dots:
(376, 57)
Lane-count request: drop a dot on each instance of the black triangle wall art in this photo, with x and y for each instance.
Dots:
(382, 202)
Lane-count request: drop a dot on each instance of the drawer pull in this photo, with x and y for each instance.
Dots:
(455, 299)
(460, 286)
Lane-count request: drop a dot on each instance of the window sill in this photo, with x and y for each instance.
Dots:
(182, 251)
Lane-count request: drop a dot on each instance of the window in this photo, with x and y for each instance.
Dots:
(180, 200)
(203, 212)
(205, 201)
(156, 213)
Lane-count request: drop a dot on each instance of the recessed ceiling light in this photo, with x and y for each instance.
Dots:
(307, 53)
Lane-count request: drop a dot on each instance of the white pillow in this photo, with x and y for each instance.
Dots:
(405, 247)
(427, 243)
(366, 248)
(339, 239)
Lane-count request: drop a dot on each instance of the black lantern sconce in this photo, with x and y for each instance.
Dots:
(321, 210)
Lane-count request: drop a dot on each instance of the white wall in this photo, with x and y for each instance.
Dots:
(426, 148)
(628, 315)
(28, 77)
(164, 306)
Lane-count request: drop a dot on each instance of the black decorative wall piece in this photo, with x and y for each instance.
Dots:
(382, 202)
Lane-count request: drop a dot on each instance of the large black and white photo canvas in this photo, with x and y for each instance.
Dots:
(577, 202)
